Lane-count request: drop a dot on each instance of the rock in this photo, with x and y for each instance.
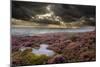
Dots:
(56, 59)
(68, 41)
(72, 45)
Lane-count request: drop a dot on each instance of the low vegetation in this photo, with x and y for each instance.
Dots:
(77, 47)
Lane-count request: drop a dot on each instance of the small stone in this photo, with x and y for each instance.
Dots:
(56, 59)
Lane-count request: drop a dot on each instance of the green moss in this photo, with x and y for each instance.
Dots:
(33, 59)
(28, 58)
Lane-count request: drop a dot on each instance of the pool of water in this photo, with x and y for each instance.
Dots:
(43, 50)
(34, 31)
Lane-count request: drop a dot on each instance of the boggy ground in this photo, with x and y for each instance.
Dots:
(69, 47)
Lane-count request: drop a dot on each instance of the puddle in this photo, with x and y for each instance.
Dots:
(43, 50)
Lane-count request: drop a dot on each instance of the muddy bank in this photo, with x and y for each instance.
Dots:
(69, 47)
